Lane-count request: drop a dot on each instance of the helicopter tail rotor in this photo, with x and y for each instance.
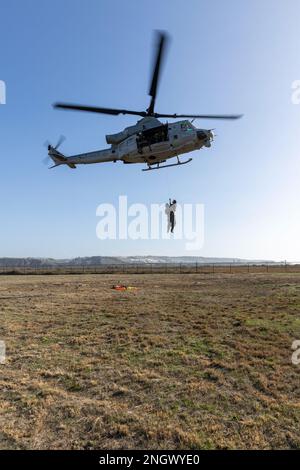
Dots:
(55, 156)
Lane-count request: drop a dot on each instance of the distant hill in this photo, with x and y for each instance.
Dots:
(108, 260)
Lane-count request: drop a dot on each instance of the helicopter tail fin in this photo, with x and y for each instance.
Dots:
(58, 158)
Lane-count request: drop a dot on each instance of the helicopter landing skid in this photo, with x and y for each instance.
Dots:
(158, 167)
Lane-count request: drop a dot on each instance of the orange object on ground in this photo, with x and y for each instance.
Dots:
(121, 287)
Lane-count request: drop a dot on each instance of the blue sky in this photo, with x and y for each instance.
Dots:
(224, 57)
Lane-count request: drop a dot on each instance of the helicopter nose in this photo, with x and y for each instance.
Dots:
(211, 134)
(201, 135)
(205, 135)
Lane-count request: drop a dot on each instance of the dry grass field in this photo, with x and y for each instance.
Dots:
(190, 361)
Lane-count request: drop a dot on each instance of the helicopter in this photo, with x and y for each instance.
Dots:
(149, 141)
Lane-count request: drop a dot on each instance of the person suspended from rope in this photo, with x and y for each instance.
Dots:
(170, 211)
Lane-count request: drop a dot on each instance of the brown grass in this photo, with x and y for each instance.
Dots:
(185, 361)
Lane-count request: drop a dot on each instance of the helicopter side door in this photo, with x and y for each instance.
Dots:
(153, 140)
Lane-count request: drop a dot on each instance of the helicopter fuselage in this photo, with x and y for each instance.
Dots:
(150, 142)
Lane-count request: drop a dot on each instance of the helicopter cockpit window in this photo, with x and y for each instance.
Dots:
(186, 126)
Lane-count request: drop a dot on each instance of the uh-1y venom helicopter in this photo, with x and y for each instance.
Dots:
(149, 141)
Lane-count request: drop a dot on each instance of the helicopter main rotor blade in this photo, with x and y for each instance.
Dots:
(95, 109)
(160, 53)
(199, 116)
(116, 112)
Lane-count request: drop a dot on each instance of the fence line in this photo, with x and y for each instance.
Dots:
(159, 268)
